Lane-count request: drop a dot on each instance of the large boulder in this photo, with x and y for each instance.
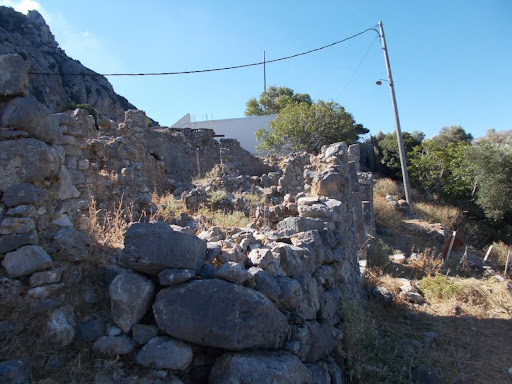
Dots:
(24, 193)
(26, 160)
(28, 114)
(152, 247)
(26, 260)
(60, 328)
(130, 297)
(260, 368)
(13, 76)
(220, 314)
(71, 244)
(164, 353)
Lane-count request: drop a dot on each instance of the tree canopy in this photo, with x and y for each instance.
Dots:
(274, 100)
(452, 134)
(388, 154)
(308, 126)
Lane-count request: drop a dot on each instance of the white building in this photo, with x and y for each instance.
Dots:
(243, 129)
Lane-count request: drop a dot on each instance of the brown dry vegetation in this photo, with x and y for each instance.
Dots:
(469, 312)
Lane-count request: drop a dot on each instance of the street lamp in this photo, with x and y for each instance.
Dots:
(401, 149)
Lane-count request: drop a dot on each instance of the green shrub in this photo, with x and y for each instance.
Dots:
(440, 287)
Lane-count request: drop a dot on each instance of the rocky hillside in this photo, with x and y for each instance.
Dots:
(30, 37)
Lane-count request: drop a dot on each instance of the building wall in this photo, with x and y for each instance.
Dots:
(243, 129)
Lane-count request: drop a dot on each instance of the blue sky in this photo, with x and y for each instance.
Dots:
(451, 60)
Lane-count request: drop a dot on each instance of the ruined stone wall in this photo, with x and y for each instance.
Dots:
(256, 304)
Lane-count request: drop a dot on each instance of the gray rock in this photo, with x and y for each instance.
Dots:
(213, 250)
(316, 211)
(382, 294)
(291, 293)
(260, 257)
(313, 242)
(31, 116)
(22, 211)
(328, 183)
(91, 330)
(289, 259)
(130, 298)
(234, 272)
(26, 260)
(334, 371)
(321, 340)
(12, 242)
(70, 244)
(338, 150)
(329, 301)
(424, 375)
(14, 372)
(60, 328)
(142, 333)
(207, 271)
(43, 306)
(46, 277)
(151, 247)
(23, 193)
(207, 312)
(44, 292)
(291, 225)
(114, 331)
(308, 304)
(114, 345)
(324, 275)
(175, 276)
(261, 368)
(319, 373)
(66, 189)
(13, 225)
(13, 76)
(164, 353)
(265, 283)
(26, 160)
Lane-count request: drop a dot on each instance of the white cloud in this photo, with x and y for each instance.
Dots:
(22, 6)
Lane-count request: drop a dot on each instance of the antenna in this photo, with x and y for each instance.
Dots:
(264, 72)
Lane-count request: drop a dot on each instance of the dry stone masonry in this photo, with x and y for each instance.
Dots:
(259, 304)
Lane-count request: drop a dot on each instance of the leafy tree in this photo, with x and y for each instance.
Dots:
(492, 164)
(308, 127)
(388, 154)
(452, 134)
(274, 100)
(442, 170)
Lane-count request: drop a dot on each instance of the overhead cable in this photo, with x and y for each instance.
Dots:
(206, 70)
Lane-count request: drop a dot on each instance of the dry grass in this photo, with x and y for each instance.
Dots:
(223, 219)
(447, 215)
(386, 186)
(209, 176)
(168, 206)
(499, 255)
(385, 215)
(471, 318)
(108, 228)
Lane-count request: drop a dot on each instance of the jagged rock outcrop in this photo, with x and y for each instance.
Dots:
(31, 38)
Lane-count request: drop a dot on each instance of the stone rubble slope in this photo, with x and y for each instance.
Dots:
(242, 305)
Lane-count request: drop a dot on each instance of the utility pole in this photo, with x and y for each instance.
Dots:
(264, 72)
(401, 149)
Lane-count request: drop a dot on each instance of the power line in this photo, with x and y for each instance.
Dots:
(358, 66)
(207, 70)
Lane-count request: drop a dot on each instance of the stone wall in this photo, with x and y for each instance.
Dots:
(258, 304)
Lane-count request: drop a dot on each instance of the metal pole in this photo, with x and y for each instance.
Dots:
(264, 72)
(401, 149)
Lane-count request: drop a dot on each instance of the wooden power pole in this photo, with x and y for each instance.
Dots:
(401, 149)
